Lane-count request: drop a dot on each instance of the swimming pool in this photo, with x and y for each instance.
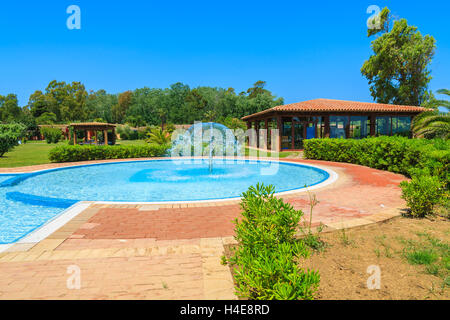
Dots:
(28, 201)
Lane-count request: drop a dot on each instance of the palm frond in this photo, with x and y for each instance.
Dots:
(432, 125)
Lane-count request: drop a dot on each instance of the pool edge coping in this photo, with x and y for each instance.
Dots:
(49, 227)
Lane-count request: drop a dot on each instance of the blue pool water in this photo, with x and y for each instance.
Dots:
(28, 201)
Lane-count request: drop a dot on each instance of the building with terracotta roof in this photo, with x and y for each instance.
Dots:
(322, 118)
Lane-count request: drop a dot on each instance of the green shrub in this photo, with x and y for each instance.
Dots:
(126, 133)
(51, 135)
(143, 133)
(266, 258)
(10, 135)
(417, 158)
(72, 153)
(422, 193)
(158, 136)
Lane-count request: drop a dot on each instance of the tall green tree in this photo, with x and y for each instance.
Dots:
(257, 89)
(9, 108)
(99, 105)
(38, 104)
(120, 109)
(398, 70)
(66, 101)
(145, 103)
(74, 104)
(178, 104)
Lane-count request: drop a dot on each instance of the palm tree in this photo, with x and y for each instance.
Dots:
(162, 113)
(443, 103)
(434, 124)
(158, 136)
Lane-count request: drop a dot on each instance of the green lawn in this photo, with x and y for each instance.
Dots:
(130, 142)
(282, 154)
(36, 152)
(31, 153)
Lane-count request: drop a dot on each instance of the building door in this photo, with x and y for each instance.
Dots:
(299, 134)
(286, 136)
(295, 131)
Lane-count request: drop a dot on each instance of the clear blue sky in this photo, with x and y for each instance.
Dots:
(304, 50)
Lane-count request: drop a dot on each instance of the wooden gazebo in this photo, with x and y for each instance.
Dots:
(91, 129)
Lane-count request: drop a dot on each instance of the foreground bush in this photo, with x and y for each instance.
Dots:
(426, 161)
(51, 135)
(68, 153)
(10, 134)
(422, 194)
(266, 259)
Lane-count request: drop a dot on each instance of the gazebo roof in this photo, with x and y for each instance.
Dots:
(59, 126)
(93, 126)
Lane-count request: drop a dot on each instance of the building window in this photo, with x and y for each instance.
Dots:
(401, 126)
(359, 127)
(299, 128)
(338, 125)
(320, 127)
(286, 135)
(383, 126)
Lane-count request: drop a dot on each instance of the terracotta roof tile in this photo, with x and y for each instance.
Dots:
(329, 105)
(95, 124)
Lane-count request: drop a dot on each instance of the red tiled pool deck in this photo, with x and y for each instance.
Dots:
(173, 251)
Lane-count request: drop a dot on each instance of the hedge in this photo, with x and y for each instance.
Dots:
(73, 153)
(395, 154)
(416, 158)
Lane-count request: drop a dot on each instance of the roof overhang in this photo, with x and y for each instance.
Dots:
(328, 106)
(93, 126)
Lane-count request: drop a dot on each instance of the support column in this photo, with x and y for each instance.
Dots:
(327, 127)
(373, 122)
(280, 133)
(74, 136)
(248, 139)
(95, 137)
(266, 126)
(105, 136)
(293, 135)
(347, 128)
(257, 133)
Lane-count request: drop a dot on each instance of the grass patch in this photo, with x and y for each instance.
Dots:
(431, 252)
(28, 154)
(283, 154)
(130, 142)
(426, 257)
(36, 152)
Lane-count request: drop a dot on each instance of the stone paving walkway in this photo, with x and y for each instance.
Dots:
(173, 251)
